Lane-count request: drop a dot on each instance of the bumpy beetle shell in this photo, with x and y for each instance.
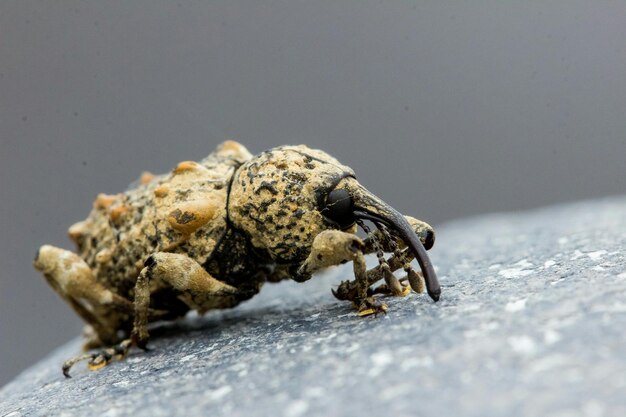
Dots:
(282, 214)
(187, 205)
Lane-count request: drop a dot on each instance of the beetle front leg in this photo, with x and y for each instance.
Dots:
(334, 247)
(381, 240)
(197, 288)
(347, 289)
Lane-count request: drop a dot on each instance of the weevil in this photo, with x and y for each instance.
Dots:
(209, 234)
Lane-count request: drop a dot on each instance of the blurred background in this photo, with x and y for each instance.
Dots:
(444, 109)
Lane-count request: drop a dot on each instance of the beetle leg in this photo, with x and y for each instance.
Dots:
(198, 289)
(69, 275)
(414, 280)
(392, 285)
(347, 290)
(105, 311)
(330, 247)
(100, 359)
(382, 238)
(334, 247)
(119, 351)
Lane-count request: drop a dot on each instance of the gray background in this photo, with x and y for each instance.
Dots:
(444, 109)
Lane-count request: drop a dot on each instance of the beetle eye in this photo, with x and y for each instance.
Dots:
(339, 208)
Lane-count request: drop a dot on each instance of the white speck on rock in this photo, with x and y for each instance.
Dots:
(516, 305)
(524, 344)
(550, 337)
(549, 263)
(577, 254)
(113, 412)
(520, 269)
(297, 408)
(217, 394)
(383, 358)
(325, 338)
(515, 272)
(494, 266)
(122, 383)
(315, 392)
(312, 317)
(393, 392)
(379, 362)
(597, 254)
(187, 358)
(353, 348)
(556, 281)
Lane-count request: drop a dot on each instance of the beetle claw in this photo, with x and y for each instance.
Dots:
(370, 306)
(100, 359)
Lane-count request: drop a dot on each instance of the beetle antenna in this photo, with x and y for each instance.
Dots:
(415, 280)
(372, 238)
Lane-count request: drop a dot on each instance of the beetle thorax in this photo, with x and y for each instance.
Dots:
(275, 199)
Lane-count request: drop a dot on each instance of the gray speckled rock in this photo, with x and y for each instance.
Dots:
(531, 323)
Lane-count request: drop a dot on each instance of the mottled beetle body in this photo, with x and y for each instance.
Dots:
(209, 234)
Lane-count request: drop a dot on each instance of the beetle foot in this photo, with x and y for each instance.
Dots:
(100, 359)
(370, 306)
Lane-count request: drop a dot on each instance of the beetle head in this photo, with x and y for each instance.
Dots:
(283, 198)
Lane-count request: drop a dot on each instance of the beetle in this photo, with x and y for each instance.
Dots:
(209, 234)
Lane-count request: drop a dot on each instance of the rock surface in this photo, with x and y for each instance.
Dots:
(531, 323)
